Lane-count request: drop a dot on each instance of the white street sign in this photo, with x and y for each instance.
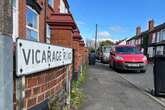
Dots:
(32, 57)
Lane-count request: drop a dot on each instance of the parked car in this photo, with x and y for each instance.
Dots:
(127, 57)
(103, 54)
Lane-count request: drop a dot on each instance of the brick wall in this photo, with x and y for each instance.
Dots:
(43, 85)
(40, 87)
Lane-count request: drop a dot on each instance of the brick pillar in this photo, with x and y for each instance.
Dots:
(22, 19)
(62, 26)
(76, 39)
(81, 51)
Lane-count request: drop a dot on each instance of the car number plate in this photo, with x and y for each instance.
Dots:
(133, 65)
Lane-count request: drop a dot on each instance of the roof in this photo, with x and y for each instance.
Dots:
(131, 38)
(137, 36)
(118, 42)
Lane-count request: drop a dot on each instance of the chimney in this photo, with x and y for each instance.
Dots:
(151, 25)
(138, 30)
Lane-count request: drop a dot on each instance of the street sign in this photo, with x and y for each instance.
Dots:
(32, 57)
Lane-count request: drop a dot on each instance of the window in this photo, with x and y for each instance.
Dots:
(127, 50)
(163, 35)
(51, 3)
(153, 38)
(14, 3)
(158, 37)
(32, 24)
(48, 33)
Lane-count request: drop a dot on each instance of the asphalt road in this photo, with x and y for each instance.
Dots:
(106, 89)
(144, 81)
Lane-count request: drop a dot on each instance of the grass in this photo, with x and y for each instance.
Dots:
(77, 95)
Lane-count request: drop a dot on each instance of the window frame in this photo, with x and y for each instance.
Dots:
(31, 28)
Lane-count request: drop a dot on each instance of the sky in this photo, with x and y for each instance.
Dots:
(116, 19)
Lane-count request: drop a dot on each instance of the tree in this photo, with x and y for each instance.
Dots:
(106, 43)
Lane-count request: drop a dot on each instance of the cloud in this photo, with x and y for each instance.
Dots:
(104, 34)
(80, 22)
(117, 29)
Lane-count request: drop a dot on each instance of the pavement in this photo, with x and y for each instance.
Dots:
(106, 89)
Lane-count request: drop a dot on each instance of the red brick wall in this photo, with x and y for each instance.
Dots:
(62, 37)
(41, 86)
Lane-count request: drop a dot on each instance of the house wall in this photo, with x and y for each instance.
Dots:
(39, 88)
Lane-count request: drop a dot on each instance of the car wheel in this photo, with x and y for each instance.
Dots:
(143, 71)
(113, 65)
(110, 65)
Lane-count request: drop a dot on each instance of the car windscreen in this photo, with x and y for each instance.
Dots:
(127, 50)
(107, 49)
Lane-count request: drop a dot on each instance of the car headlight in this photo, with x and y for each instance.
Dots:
(144, 58)
(119, 58)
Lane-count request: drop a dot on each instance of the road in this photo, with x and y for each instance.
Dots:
(106, 89)
(142, 80)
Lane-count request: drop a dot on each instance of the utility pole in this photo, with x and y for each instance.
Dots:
(6, 55)
(96, 37)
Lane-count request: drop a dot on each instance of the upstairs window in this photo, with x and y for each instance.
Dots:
(48, 33)
(51, 3)
(158, 37)
(153, 38)
(32, 31)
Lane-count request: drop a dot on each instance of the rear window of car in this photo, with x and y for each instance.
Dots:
(127, 50)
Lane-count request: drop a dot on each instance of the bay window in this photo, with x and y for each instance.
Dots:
(32, 20)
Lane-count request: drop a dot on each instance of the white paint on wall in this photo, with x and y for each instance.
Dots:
(15, 19)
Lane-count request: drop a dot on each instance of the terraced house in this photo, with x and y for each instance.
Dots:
(51, 22)
(157, 40)
(140, 40)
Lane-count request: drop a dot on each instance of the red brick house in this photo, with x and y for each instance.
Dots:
(156, 39)
(46, 21)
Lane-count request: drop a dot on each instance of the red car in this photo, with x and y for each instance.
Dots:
(127, 58)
